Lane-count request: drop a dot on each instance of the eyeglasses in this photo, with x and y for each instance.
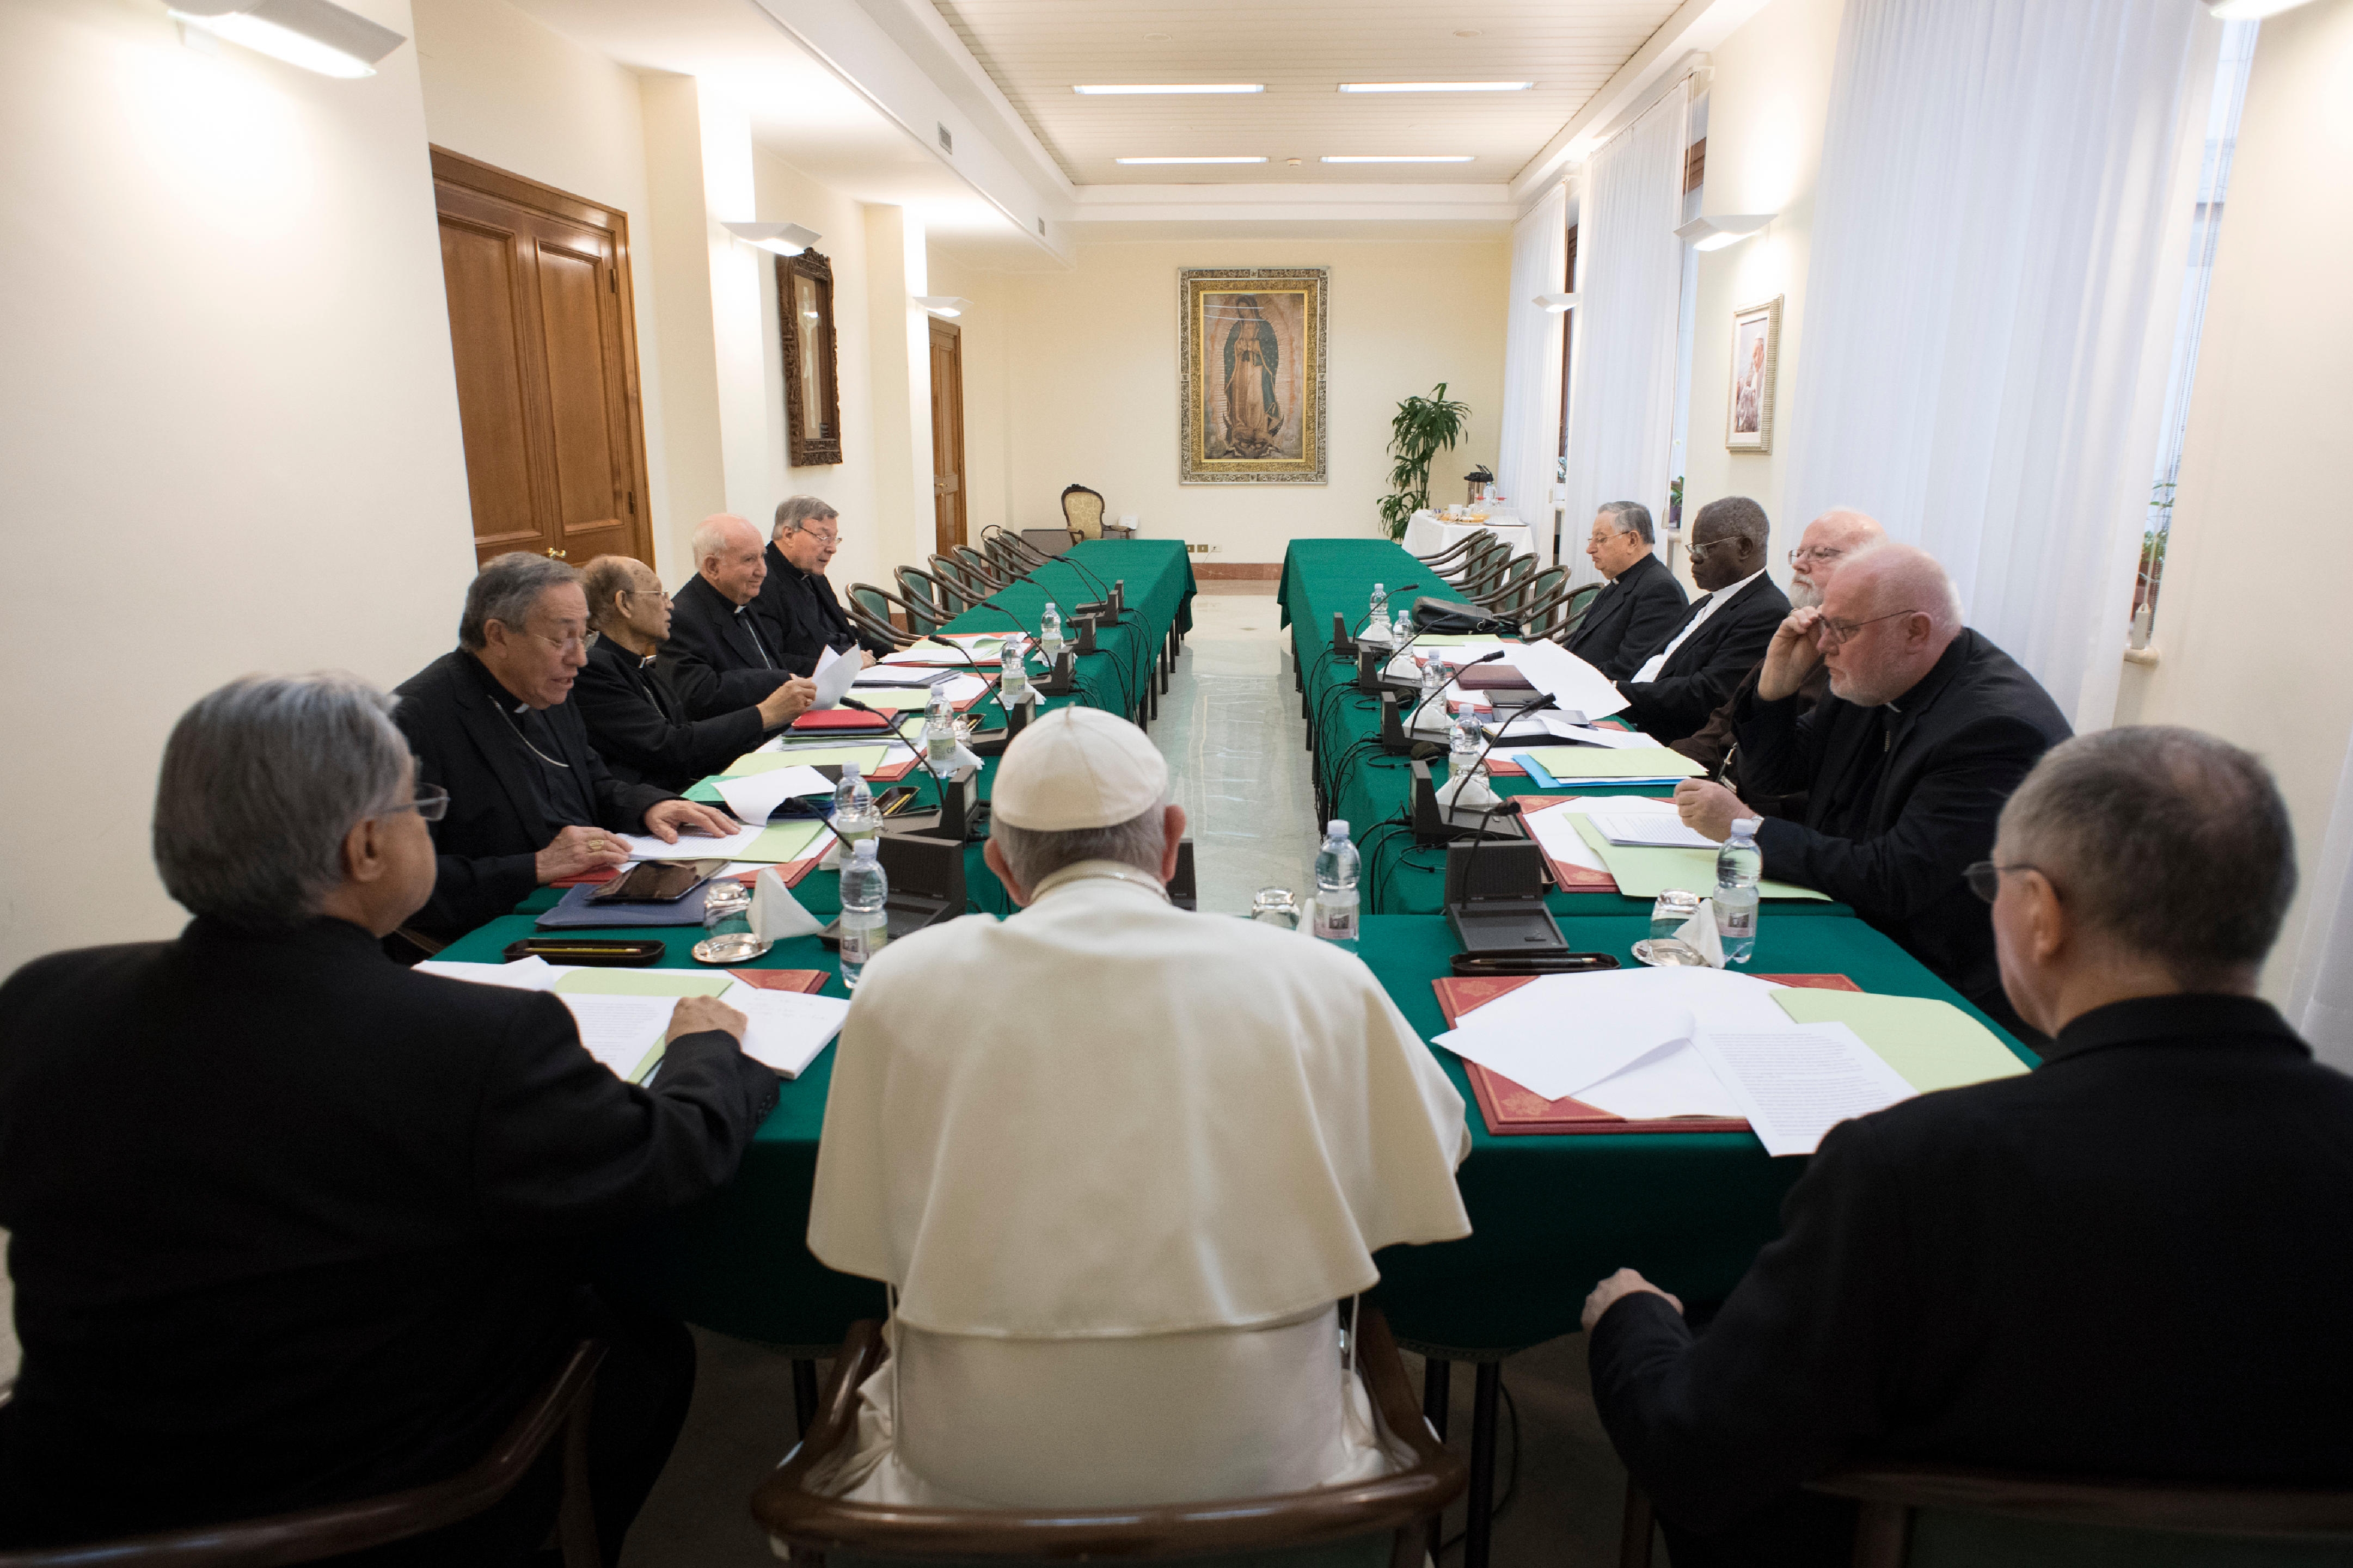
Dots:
(661, 593)
(1701, 551)
(1836, 634)
(1813, 554)
(571, 642)
(1985, 877)
(432, 804)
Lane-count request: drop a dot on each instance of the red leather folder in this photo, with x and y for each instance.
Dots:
(1489, 678)
(841, 719)
(1566, 876)
(808, 981)
(1512, 1112)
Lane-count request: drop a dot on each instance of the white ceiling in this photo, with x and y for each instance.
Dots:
(1036, 50)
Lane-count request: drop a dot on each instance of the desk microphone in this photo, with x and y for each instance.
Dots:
(1479, 834)
(1416, 714)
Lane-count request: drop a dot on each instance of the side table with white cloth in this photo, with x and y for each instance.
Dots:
(1427, 533)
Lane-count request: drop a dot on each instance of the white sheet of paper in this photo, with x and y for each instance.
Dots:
(834, 673)
(1675, 1081)
(1654, 828)
(533, 973)
(788, 1028)
(1591, 735)
(620, 1030)
(1559, 839)
(692, 845)
(888, 674)
(754, 795)
(1795, 1083)
(1576, 685)
(1565, 1052)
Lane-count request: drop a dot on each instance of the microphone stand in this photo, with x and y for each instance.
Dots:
(1013, 726)
(1480, 833)
(1415, 716)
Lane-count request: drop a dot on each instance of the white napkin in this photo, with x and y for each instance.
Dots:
(1699, 934)
(777, 915)
(1468, 793)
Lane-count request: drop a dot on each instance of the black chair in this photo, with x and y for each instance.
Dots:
(560, 1408)
(1358, 1524)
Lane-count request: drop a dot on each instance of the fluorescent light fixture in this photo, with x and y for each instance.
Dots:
(2250, 10)
(1436, 86)
(316, 34)
(784, 238)
(1141, 87)
(1557, 303)
(1715, 233)
(1401, 158)
(1188, 159)
(943, 304)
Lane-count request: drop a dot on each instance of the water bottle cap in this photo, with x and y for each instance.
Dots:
(1335, 828)
(850, 772)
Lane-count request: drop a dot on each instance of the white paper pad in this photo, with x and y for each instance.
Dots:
(834, 673)
(620, 1031)
(754, 795)
(533, 973)
(1559, 838)
(1654, 829)
(1577, 1033)
(692, 845)
(1795, 1083)
(1576, 685)
(887, 674)
(1675, 1081)
(1590, 735)
(788, 1028)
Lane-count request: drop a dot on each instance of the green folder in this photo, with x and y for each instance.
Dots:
(1569, 763)
(1644, 872)
(867, 758)
(647, 982)
(784, 841)
(893, 697)
(1932, 1044)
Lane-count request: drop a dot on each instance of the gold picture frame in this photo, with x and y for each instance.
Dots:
(812, 376)
(1756, 364)
(1251, 393)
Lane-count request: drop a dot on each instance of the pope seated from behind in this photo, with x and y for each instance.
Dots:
(1120, 1163)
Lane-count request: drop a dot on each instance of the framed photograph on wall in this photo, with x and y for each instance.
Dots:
(1251, 394)
(812, 386)
(1756, 361)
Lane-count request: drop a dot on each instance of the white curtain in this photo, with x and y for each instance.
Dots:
(1530, 440)
(2320, 991)
(1622, 406)
(1998, 250)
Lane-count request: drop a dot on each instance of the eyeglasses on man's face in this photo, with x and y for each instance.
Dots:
(1985, 877)
(432, 804)
(1836, 634)
(573, 640)
(1814, 555)
(661, 593)
(1702, 552)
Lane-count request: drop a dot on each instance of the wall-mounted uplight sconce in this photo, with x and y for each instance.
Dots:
(316, 34)
(784, 238)
(1557, 303)
(946, 305)
(1715, 233)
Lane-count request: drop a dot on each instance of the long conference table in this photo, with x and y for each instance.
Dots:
(1550, 1214)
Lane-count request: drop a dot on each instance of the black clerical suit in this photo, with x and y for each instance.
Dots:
(1715, 745)
(1903, 798)
(293, 1224)
(638, 723)
(1630, 619)
(2130, 1263)
(516, 777)
(721, 656)
(1704, 671)
(806, 619)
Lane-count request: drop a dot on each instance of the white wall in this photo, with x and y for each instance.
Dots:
(1073, 379)
(229, 423)
(1768, 106)
(2249, 621)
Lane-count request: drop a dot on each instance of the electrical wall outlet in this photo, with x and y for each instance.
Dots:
(1200, 549)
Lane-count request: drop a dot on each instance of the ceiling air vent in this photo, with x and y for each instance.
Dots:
(947, 141)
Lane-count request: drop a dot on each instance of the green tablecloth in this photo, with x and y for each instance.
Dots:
(1159, 578)
(1374, 792)
(1550, 1214)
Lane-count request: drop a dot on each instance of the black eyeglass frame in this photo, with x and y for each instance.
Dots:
(1984, 877)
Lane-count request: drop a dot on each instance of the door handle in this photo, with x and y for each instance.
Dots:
(555, 554)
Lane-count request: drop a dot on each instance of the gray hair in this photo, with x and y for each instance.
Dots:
(2174, 844)
(261, 781)
(504, 591)
(1627, 517)
(1035, 854)
(793, 510)
(1733, 514)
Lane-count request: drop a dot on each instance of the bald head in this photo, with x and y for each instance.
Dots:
(727, 552)
(1889, 614)
(1830, 538)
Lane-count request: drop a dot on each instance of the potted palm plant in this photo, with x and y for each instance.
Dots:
(1424, 426)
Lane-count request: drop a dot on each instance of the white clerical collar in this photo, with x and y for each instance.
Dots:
(1098, 870)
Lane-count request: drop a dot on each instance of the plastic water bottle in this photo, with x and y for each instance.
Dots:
(1434, 676)
(865, 926)
(939, 728)
(1377, 622)
(1738, 865)
(1465, 746)
(1403, 631)
(1013, 682)
(855, 820)
(1049, 633)
(1335, 884)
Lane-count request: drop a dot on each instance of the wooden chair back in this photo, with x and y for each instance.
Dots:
(1452, 553)
(942, 601)
(1580, 601)
(1505, 587)
(1486, 552)
(1023, 555)
(1495, 572)
(951, 575)
(1385, 1516)
(1002, 556)
(1520, 599)
(559, 1409)
(981, 569)
(1083, 513)
(869, 611)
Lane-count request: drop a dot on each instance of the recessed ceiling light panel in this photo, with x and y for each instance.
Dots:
(1188, 159)
(1144, 89)
(784, 238)
(1436, 86)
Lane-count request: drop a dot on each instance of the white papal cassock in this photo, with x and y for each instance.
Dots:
(1120, 1161)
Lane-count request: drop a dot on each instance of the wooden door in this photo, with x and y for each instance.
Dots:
(542, 327)
(948, 436)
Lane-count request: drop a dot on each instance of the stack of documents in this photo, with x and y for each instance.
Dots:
(1659, 829)
(753, 797)
(760, 842)
(1646, 870)
(623, 1014)
(1558, 767)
